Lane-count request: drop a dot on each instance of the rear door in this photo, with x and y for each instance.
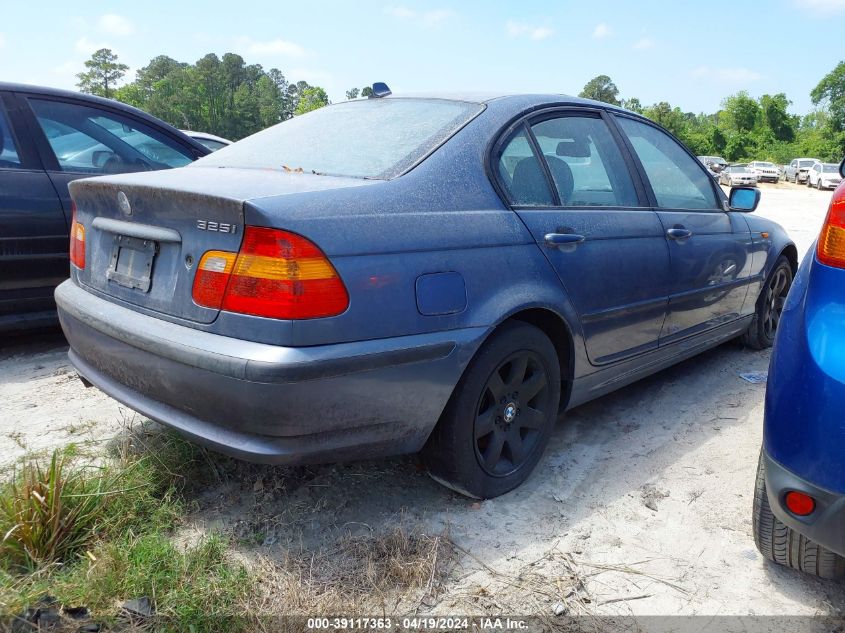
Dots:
(33, 228)
(567, 177)
(709, 248)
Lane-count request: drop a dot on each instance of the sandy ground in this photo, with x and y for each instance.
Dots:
(642, 501)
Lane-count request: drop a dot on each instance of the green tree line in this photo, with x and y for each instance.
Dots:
(222, 95)
(746, 128)
(228, 97)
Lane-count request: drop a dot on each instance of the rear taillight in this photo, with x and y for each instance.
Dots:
(831, 246)
(77, 240)
(276, 274)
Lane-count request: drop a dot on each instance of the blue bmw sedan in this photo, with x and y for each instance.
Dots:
(799, 501)
(393, 275)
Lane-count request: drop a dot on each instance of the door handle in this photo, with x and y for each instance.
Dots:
(678, 234)
(563, 239)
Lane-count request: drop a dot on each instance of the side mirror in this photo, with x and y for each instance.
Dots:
(744, 199)
(842, 168)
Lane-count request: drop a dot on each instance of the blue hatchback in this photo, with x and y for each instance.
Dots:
(392, 275)
(799, 502)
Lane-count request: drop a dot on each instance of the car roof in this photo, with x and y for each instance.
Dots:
(111, 103)
(522, 99)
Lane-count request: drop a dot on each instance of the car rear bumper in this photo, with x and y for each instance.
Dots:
(826, 524)
(804, 427)
(262, 402)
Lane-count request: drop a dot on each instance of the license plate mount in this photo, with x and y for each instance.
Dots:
(131, 263)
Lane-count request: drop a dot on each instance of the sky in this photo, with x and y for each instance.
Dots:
(690, 53)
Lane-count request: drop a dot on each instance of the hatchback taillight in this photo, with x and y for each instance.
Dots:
(275, 274)
(77, 240)
(831, 246)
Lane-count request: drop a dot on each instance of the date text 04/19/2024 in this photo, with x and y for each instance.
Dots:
(418, 624)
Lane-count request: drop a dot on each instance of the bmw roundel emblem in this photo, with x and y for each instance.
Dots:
(123, 203)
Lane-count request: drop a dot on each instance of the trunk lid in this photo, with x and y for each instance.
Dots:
(145, 233)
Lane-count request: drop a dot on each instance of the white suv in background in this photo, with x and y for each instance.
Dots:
(764, 170)
(824, 176)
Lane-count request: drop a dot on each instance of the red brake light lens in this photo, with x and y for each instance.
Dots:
(831, 246)
(276, 274)
(77, 240)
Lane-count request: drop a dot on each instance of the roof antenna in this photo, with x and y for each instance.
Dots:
(380, 90)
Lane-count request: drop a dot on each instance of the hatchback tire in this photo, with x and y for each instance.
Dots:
(761, 333)
(500, 416)
(783, 545)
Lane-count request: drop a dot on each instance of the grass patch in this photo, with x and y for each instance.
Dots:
(391, 572)
(96, 531)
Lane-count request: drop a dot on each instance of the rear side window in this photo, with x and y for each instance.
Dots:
(522, 174)
(372, 138)
(585, 162)
(9, 158)
(86, 139)
(677, 179)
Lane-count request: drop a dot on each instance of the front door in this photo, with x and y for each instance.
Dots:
(33, 230)
(566, 177)
(709, 249)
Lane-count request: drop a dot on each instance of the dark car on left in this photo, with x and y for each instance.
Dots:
(48, 138)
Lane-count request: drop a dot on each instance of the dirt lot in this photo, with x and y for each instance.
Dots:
(641, 505)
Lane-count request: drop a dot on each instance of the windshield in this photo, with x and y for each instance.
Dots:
(739, 170)
(373, 138)
(830, 167)
(806, 163)
(764, 164)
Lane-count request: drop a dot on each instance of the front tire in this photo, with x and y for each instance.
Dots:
(761, 332)
(783, 545)
(500, 417)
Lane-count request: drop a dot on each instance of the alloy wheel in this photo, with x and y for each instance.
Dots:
(512, 411)
(775, 298)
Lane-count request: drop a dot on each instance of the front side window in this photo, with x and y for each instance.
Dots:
(678, 181)
(585, 162)
(90, 140)
(9, 158)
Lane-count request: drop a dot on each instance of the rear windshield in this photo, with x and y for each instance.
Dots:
(373, 138)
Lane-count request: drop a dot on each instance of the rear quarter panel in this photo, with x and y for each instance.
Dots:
(769, 241)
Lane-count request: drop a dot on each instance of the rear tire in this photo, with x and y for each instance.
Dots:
(761, 332)
(783, 545)
(500, 416)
